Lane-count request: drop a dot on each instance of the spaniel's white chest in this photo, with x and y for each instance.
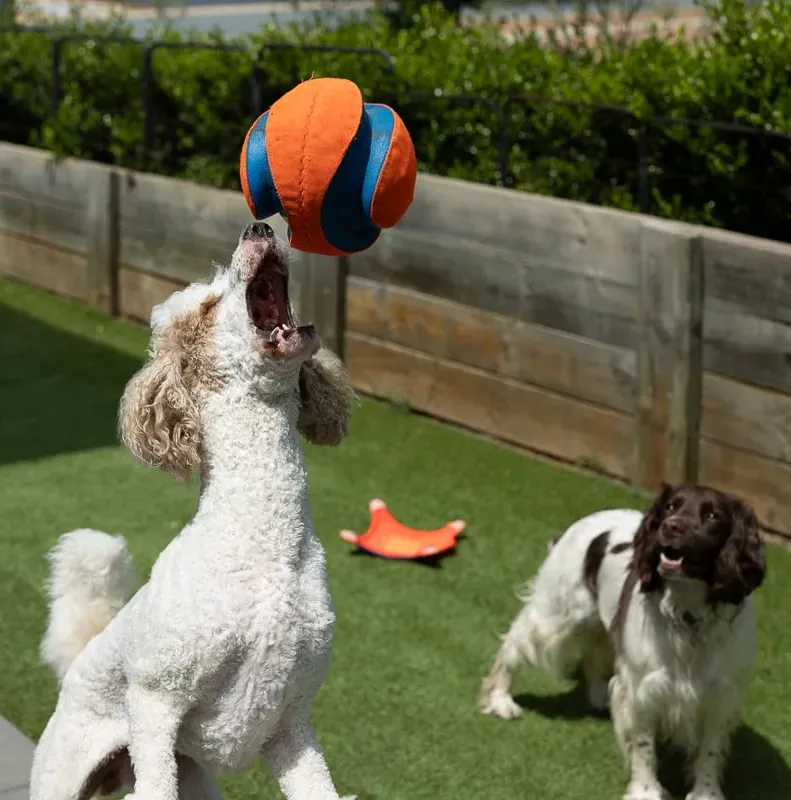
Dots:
(681, 668)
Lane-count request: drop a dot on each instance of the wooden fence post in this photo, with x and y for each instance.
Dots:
(669, 354)
(319, 292)
(102, 225)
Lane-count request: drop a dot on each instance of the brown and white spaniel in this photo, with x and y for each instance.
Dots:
(655, 611)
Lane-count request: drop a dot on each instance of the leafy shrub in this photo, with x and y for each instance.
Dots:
(470, 99)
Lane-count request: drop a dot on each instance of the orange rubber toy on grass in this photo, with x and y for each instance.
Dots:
(389, 538)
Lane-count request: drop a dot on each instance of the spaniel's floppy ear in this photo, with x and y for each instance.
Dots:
(326, 395)
(646, 547)
(741, 564)
(158, 421)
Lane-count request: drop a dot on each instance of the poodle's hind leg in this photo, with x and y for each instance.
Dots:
(196, 782)
(154, 721)
(296, 761)
(495, 695)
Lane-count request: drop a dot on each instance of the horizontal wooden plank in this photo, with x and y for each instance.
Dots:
(176, 229)
(583, 239)
(752, 274)
(762, 482)
(30, 172)
(59, 271)
(502, 281)
(38, 217)
(746, 417)
(505, 409)
(745, 347)
(139, 292)
(552, 359)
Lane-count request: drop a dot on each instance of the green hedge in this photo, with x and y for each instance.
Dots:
(202, 106)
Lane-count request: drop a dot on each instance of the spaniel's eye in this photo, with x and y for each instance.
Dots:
(711, 517)
(671, 506)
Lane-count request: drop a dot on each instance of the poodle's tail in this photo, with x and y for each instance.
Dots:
(91, 579)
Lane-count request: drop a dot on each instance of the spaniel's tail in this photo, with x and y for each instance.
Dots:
(91, 579)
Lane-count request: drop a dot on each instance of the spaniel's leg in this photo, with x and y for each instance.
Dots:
(495, 696)
(636, 737)
(722, 713)
(154, 720)
(297, 763)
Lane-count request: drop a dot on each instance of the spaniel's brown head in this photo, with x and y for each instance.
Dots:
(698, 533)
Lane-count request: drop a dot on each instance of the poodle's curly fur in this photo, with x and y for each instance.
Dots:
(218, 657)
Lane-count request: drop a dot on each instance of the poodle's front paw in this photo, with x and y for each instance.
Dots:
(706, 791)
(501, 704)
(643, 790)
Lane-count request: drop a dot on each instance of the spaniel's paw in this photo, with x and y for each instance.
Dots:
(706, 791)
(640, 790)
(501, 704)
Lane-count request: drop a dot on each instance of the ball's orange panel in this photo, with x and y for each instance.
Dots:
(328, 112)
(396, 185)
(389, 538)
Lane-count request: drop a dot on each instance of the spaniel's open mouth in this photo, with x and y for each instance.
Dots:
(267, 298)
(670, 561)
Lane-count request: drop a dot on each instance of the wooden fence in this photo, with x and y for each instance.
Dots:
(646, 349)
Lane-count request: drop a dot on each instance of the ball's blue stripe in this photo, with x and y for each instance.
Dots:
(259, 178)
(344, 221)
(382, 124)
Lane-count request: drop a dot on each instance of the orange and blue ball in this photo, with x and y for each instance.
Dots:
(337, 169)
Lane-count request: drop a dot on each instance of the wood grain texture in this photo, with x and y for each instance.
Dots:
(746, 347)
(505, 409)
(762, 482)
(176, 229)
(502, 281)
(38, 264)
(583, 239)
(31, 172)
(748, 418)
(44, 198)
(750, 273)
(317, 288)
(573, 366)
(103, 239)
(139, 292)
(669, 355)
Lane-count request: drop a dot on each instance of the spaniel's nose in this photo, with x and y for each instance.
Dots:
(258, 230)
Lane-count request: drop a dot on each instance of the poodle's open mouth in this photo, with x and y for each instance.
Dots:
(267, 298)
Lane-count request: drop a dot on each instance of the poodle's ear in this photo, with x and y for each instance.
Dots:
(646, 546)
(326, 395)
(157, 418)
(741, 565)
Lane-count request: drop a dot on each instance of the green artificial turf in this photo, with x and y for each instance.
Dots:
(398, 715)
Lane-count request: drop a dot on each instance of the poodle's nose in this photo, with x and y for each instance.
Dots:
(258, 230)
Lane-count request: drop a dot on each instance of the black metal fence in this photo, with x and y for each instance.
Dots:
(535, 143)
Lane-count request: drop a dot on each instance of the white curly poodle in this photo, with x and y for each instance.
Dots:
(218, 658)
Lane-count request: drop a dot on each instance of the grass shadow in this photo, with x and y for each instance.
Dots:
(571, 705)
(755, 769)
(58, 392)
